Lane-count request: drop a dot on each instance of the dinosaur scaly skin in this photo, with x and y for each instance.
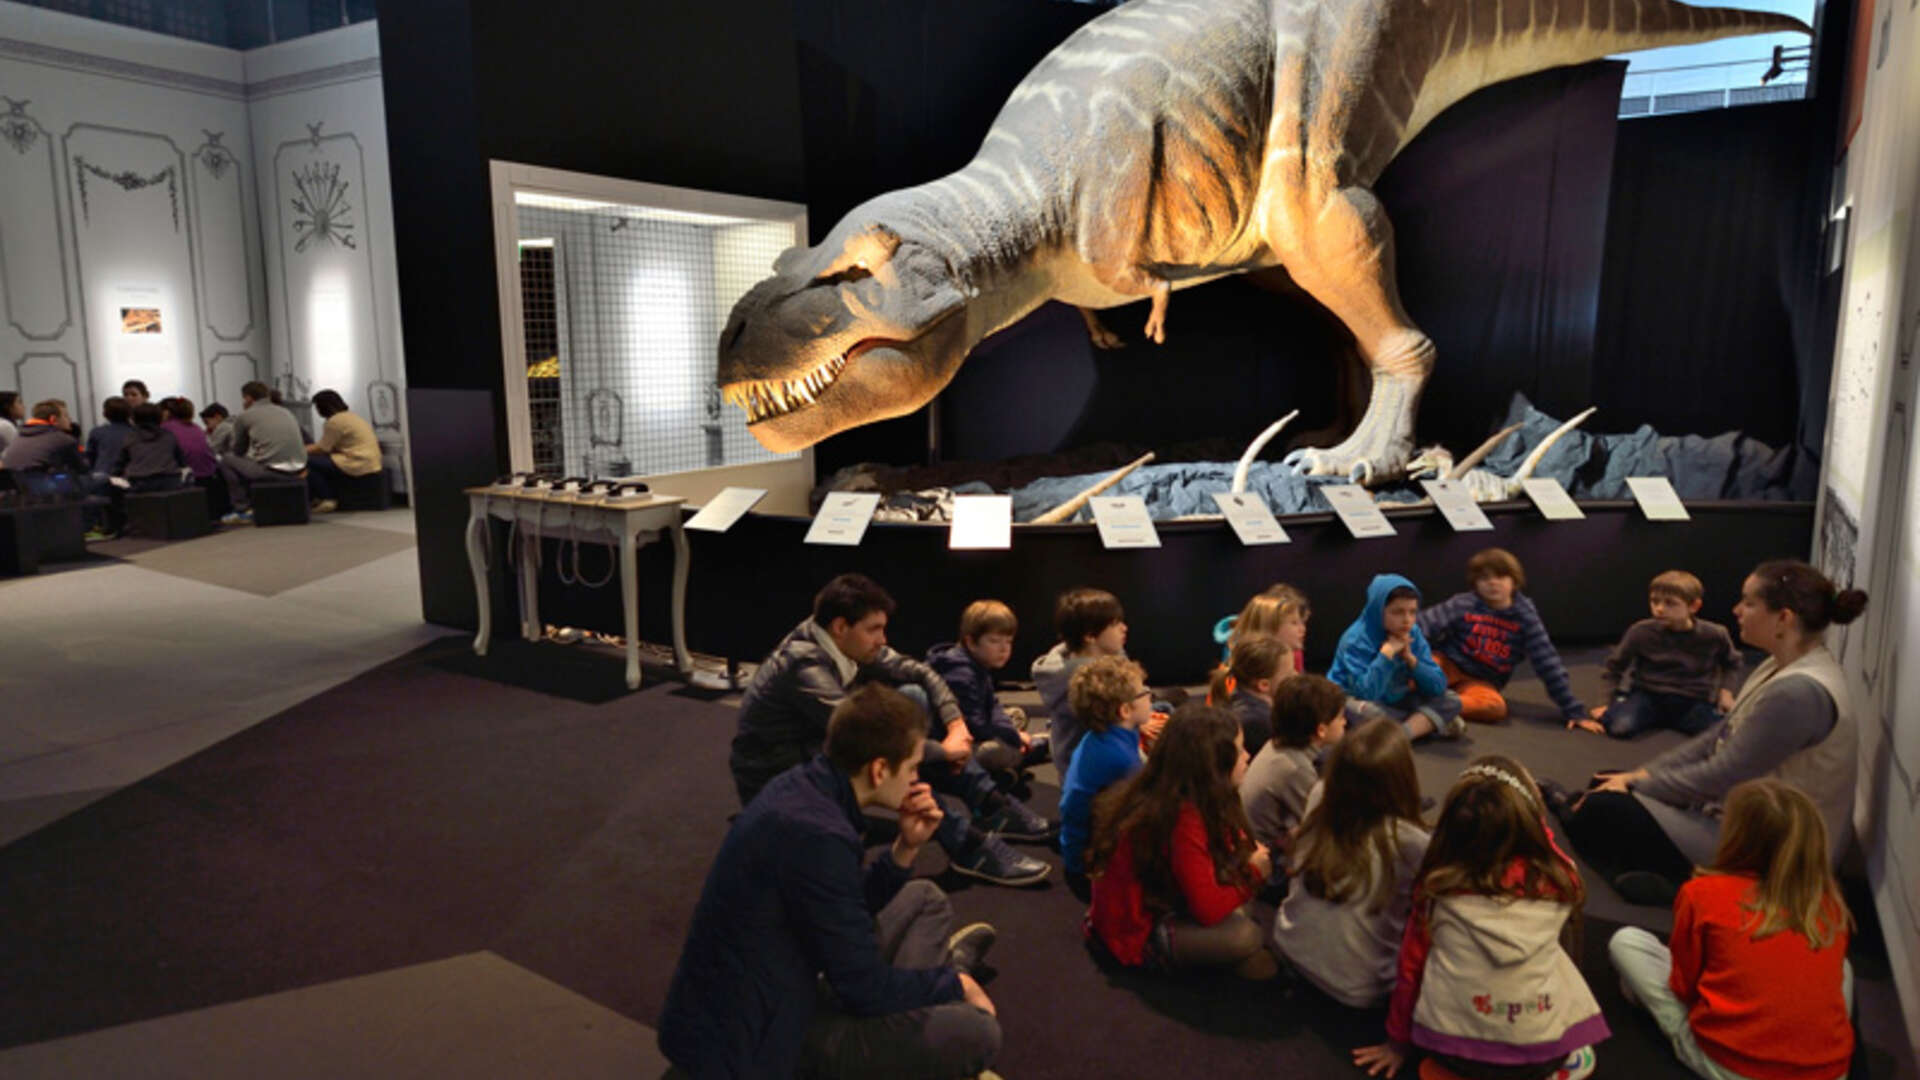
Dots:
(1164, 144)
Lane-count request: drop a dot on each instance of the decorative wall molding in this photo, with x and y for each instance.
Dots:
(606, 418)
(383, 405)
(73, 396)
(322, 203)
(218, 380)
(332, 75)
(219, 166)
(109, 67)
(126, 180)
(177, 168)
(22, 135)
(53, 56)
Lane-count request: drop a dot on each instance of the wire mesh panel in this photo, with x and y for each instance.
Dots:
(640, 296)
(540, 324)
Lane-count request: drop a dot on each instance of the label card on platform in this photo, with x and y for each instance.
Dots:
(1552, 500)
(981, 523)
(1657, 498)
(1250, 518)
(724, 509)
(843, 518)
(1358, 511)
(1123, 522)
(1456, 504)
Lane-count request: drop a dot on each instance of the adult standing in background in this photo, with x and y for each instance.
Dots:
(347, 447)
(266, 442)
(136, 393)
(1647, 828)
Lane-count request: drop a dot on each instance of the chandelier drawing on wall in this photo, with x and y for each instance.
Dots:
(19, 131)
(320, 203)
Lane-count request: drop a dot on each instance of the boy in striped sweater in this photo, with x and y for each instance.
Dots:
(1478, 636)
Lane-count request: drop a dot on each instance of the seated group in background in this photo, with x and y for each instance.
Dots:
(266, 444)
(347, 447)
(784, 713)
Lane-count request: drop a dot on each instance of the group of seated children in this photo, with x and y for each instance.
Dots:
(1465, 928)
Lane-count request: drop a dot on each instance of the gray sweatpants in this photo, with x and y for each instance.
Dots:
(935, 1043)
(240, 472)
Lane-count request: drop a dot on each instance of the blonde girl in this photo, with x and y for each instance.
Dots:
(1755, 983)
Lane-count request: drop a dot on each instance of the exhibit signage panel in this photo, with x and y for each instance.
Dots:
(1357, 510)
(843, 518)
(724, 509)
(981, 523)
(1552, 499)
(1657, 499)
(1123, 522)
(1250, 517)
(1456, 504)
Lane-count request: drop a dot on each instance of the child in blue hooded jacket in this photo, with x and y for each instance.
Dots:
(1384, 660)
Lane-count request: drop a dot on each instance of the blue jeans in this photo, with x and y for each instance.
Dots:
(1636, 711)
(1440, 710)
(960, 794)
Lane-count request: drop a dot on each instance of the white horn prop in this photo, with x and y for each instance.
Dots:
(1480, 452)
(1072, 506)
(1253, 451)
(1533, 459)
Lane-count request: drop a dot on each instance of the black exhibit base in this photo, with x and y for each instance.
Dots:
(750, 585)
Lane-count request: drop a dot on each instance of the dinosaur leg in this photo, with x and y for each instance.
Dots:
(1341, 251)
(1097, 331)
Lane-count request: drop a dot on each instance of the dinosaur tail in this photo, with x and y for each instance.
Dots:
(1488, 41)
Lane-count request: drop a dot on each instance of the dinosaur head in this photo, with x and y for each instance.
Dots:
(867, 324)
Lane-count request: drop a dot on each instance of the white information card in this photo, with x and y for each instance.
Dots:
(1456, 504)
(1252, 522)
(843, 518)
(1657, 499)
(1358, 511)
(981, 522)
(1123, 522)
(726, 508)
(1552, 500)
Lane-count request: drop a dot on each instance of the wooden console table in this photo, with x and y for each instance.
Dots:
(537, 515)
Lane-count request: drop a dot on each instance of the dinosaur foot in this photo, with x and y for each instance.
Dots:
(1357, 462)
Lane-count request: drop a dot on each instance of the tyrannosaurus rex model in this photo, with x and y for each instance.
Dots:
(1164, 144)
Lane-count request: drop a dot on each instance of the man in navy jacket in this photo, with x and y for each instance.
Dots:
(787, 903)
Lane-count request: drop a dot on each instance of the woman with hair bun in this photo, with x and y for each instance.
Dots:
(1647, 829)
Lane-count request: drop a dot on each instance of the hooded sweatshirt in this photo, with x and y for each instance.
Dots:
(1484, 978)
(149, 451)
(1360, 669)
(1052, 671)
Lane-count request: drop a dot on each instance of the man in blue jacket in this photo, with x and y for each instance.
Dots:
(1384, 661)
(787, 903)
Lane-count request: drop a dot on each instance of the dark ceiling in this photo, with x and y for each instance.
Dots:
(235, 24)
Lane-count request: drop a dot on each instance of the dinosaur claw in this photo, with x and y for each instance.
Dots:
(1361, 473)
(1297, 462)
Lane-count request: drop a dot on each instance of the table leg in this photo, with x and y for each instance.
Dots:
(682, 563)
(477, 561)
(630, 600)
(530, 628)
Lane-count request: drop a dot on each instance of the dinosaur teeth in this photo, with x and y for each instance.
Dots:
(764, 399)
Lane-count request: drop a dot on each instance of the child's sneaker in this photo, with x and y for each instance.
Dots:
(238, 517)
(1578, 1066)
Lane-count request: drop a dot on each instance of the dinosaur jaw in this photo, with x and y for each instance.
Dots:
(874, 379)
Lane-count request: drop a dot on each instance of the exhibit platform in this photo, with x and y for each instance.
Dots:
(751, 584)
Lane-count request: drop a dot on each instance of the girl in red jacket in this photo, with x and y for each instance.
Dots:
(1173, 860)
(1755, 985)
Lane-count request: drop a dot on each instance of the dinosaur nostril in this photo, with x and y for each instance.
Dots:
(733, 336)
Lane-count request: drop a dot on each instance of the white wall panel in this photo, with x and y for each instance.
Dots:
(38, 298)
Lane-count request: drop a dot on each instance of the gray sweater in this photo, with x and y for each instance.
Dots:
(1696, 663)
(269, 435)
(1274, 792)
(1796, 713)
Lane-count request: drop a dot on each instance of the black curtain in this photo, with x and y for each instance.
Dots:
(1711, 301)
